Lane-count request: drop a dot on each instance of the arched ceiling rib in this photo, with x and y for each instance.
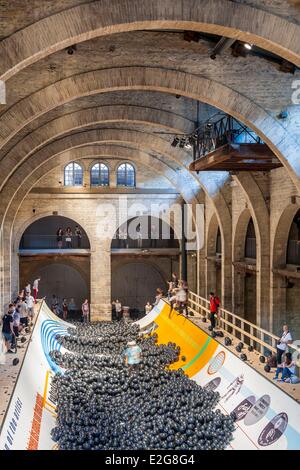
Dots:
(133, 78)
(221, 17)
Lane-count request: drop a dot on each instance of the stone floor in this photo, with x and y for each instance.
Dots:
(9, 374)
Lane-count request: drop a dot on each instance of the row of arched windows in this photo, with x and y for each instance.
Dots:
(99, 175)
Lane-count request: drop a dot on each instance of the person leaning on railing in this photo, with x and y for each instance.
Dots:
(282, 345)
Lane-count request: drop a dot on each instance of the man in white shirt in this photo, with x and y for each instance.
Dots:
(30, 306)
(36, 288)
(118, 307)
(283, 343)
(23, 313)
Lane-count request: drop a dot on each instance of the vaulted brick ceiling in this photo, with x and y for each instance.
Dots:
(125, 73)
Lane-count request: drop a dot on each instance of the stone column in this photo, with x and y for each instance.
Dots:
(101, 282)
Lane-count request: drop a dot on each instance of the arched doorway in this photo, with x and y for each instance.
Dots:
(63, 280)
(214, 257)
(250, 276)
(42, 234)
(145, 252)
(65, 271)
(134, 283)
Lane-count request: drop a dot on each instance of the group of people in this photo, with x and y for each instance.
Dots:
(286, 366)
(67, 236)
(19, 316)
(65, 307)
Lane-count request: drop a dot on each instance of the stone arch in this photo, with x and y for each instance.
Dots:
(282, 288)
(26, 224)
(280, 242)
(283, 144)
(84, 118)
(64, 29)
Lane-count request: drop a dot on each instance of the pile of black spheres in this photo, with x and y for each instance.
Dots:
(103, 405)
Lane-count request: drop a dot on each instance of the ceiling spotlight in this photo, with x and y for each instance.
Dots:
(187, 144)
(182, 143)
(71, 49)
(248, 46)
(175, 142)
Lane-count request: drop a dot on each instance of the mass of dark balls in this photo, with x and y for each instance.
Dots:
(101, 404)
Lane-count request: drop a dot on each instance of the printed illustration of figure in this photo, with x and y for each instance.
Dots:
(234, 387)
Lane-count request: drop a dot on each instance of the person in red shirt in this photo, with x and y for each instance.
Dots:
(213, 308)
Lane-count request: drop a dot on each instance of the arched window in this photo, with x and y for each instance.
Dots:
(99, 175)
(250, 245)
(73, 175)
(293, 247)
(219, 243)
(126, 175)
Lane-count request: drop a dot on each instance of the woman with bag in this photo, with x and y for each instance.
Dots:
(68, 238)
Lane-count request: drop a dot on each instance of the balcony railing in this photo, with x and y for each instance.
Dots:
(237, 327)
(49, 242)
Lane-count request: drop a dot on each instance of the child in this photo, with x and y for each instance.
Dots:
(287, 368)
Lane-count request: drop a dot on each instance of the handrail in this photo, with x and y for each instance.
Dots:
(258, 336)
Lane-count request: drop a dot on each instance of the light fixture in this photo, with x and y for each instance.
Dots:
(248, 46)
(182, 143)
(175, 142)
(187, 145)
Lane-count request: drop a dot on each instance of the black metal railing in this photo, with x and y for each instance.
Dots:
(50, 242)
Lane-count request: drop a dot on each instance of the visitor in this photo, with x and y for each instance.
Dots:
(27, 289)
(59, 237)
(159, 296)
(17, 321)
(132, 355)
(148, 308)
(7, 328)
(283, 343)
(65, 309)
(23, 314)
(54, 304)
(85, 309)
(286, 369)
(139, 236)
(78, 235)
(123, 240)
(181, 297)
(118, 307)
(175, 280)
(36, 288)
(214, 304)
(171, 290)
(68, 237)
(30, 307)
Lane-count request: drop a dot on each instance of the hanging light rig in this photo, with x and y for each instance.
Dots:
(226, 145)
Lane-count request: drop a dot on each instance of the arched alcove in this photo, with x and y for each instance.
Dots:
(134, 283)
(145, 232)
(42, 234)
(65, 279)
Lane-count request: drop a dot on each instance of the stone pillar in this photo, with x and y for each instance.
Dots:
(101, 283)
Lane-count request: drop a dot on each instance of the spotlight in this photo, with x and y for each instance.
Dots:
(182, 143)
(188, 144)
(248, 46)
(71, 49)
(175, 142)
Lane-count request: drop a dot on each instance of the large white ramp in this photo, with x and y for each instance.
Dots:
(267, 417)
